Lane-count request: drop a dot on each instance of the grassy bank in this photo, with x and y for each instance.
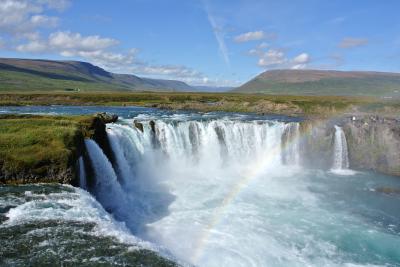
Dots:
(280, 104)
(32, 147)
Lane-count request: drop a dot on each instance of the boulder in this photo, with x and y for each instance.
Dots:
(107, 117)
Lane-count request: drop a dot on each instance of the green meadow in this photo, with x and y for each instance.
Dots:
(30, 143)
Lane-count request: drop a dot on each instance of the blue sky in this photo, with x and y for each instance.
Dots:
(205, 42)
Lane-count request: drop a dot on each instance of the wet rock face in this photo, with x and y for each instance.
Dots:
(98, 128)
(138, 125)
(374, 143)
(153, 126)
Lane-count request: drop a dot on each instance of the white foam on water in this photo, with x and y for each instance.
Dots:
(76, 206)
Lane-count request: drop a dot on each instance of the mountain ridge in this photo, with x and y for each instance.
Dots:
(324, 82)
(64, 75)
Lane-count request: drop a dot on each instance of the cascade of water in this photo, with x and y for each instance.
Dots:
(123, 169)
(291, 144)
(82, 174)
(340, 159)
(211, 144)
(107, 188)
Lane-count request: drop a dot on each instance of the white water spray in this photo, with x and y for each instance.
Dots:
(340, 158)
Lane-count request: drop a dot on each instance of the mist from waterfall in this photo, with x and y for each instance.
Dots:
(222, 192)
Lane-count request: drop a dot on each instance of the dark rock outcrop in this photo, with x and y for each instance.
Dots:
(138, 125)
(97, 131)
(107, 117)
(153, 126)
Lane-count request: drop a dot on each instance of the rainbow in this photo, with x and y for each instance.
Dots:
(251, 173)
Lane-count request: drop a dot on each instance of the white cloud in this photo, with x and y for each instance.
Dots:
(43, 21)
(298, 67)
(70, 42)
(32, 47)
(93, 48)
(277, 59)
(350, 42)
(16, 12)
(262, 45)
(272, 58)
(24, 17)
(302, 58)
(300, 61)
(250, 36)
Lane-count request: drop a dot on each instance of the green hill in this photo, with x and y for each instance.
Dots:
(324, 82)
(21, 75)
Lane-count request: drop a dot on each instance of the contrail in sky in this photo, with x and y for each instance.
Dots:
(219, 35)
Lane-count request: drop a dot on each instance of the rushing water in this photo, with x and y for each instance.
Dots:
(341, 157)
(209, 190)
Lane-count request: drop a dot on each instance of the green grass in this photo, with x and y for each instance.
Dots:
(15, 81)
(30, 144)
(258, 103)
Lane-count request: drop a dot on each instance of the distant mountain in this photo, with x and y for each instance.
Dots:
(324, 82)
(51, 75)
(214, 89)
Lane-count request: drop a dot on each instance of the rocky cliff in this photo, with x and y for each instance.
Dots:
(373, 143)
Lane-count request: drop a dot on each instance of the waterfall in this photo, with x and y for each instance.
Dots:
(340, 158)
(291, 144)
(210, 144)
(106, 188)
(82, 173)
(133, 188)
